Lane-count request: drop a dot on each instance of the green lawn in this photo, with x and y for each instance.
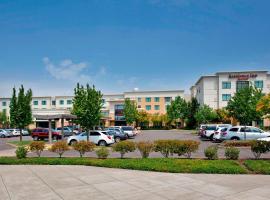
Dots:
(150, 164)
(22, 143)
(258, 166)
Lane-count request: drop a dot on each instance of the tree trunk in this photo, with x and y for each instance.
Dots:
(20, 134)
(245, 134)
(88, 133)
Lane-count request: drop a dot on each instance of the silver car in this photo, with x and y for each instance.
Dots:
(4, 133)
(244, 133)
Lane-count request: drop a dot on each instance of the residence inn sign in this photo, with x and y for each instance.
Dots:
(243, 76)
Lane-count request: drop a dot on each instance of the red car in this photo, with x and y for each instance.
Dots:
(43, 133)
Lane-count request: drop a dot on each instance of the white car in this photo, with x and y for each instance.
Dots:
(220, 132)
(209, 130)
(129, 130)
(14, 132)
(244, 132)
(98, 137)
(4, 133)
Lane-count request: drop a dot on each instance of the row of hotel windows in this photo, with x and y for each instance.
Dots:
(241, 84)
(44, 102)
(148, 107)
(156, 99)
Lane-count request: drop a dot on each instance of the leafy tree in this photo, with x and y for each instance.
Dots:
(130, 111)
(223, 115)
(4, 122)
(264, 105)
(143, 118)
(242, 105)
(193, 107)
(205, 115)
(20, 109)
(87, 104)
(178, 109)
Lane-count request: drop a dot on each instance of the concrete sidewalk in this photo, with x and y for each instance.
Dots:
(84, 182)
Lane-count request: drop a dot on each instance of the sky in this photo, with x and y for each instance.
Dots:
(119, 45)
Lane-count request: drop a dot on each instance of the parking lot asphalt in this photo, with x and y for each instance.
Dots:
(146, 135)
(85, 182)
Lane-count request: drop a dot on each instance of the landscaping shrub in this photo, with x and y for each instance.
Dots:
(145, 148)
(190, 146)
(21, 152)
(246, 143)
(258, 147)
(232, 153)
(102, 153)
(124, 147)
(211, 152)
(83, 146)
(165, 147)
(59, 147)
(37, 147)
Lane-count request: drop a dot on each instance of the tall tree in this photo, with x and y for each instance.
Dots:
(242, 105)
(205, 115)
(264, 105)
(130, 111)
(4, 122)
(143, 118)
(20, 109)
(178, 109)
(87, 104)
(193, 107)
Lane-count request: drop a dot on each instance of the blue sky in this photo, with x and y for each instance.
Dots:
(122, 44)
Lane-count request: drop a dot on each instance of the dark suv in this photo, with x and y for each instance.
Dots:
(117, 135)
(43, 133)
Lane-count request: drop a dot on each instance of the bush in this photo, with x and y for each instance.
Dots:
(83, 146)
(258, 147)
(102, 153)
(232, 153)
(59, 147)
(246, 143)
(21, 152)
(124, 147)
(165, 147)
(211, 153)
(37, 147)
(189, 146)
(145, 148)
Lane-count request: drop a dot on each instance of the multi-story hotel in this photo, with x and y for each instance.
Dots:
(153, 102)
(216, 90)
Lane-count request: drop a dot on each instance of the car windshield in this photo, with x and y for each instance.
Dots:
(211, 128)
(127, 128)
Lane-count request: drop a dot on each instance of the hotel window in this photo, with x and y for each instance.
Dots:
(156, 99)
(44, 102)
(4, 103)
(53, 102)
(168, 99)
(226, 85)
(35, 103)
(139, 99)
(226, 97)
(241, 84)
(157, 107)
(148, 99)
(148, 107)
(61, 102)
(139, 106)
(4, 111)
(258, 84)
(69, 102)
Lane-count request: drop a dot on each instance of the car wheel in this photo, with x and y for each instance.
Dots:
(102, 143)
(72, 142)
(235, 138)
(2, 136)
(117, 139)
(35, 138)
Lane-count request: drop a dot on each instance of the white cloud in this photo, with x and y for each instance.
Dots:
(67, 70)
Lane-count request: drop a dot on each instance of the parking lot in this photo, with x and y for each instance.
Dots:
(147, 135)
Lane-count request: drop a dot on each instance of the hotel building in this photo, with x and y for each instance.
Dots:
(153, 102)
(216, 90)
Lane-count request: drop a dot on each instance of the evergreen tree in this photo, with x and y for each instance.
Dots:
(130, 111)
(193, 107)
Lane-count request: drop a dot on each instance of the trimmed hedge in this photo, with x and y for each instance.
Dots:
(246, 143)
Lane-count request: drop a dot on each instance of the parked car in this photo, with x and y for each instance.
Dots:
(4, 133)
(14, 131)
(220, 132)
(100, 138)
(75, 128)
(25, 132)
(266, 139)
(129, 130)
(66, 130)
(209, 131)
(43, 133)
(117, 135)
(244, 132)
(201, 129)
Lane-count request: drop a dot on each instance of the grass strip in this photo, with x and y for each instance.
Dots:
(151, 164)
(258, 166)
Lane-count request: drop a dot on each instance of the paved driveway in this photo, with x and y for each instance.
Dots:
(83, 182)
